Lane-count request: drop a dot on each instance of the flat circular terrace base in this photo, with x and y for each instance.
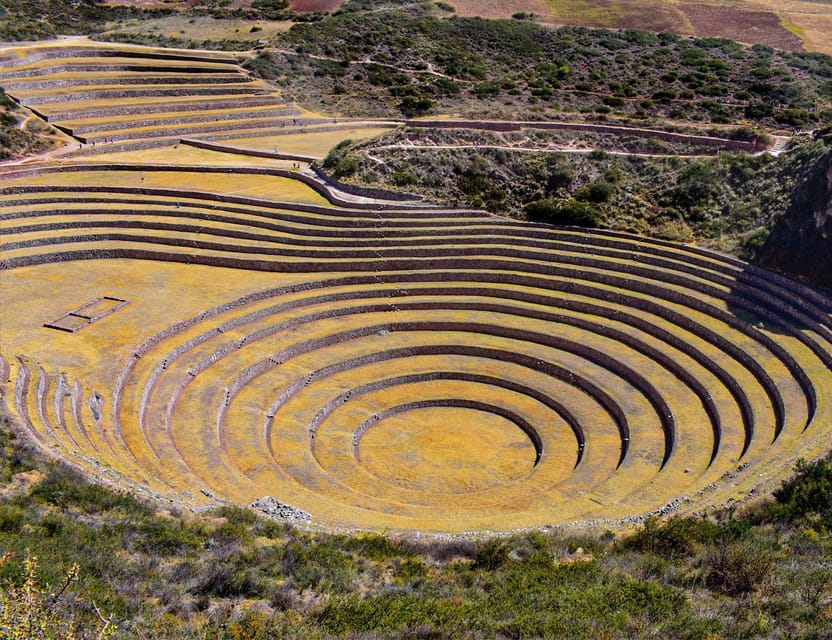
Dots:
(444, 450)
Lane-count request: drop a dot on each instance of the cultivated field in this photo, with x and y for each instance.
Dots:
(791, 25)
(785, 25)
(208, 325)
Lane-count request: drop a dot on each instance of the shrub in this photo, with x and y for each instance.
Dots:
(413, 106)
(224, 579)
(163, 537)
(393, 611)
(560, 177)
(697, 184)
(486, 90)
(12, 518)
(566, 212)
(318, 566)
(340, 161)
(66, 489)
(738, 567)
(598, 191)
(795, 117)
(808, 493)
(675, 537)
(404, 178)
(271, 9)
(411, 570)
(370, 545)
(445, 87)
(490, 554)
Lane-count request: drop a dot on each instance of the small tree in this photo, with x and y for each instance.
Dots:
(567, 212)
(29, 612)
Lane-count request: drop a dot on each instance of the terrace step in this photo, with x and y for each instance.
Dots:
(102, 79)
(141, 107)
(38, 53)
(82, 68)
(36, 98)
(240, 127)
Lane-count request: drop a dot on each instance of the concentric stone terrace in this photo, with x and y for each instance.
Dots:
(123, 97)
(390, 366)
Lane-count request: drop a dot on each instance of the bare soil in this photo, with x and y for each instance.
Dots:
(752, 27)
(311, 6)
(468, 8)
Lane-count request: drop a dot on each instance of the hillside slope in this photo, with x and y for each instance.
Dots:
(801, 239)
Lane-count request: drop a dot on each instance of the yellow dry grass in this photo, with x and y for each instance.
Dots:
(69, 42)
(809, 21)
(175, 103)
(256, 186)
(261, 110)
(312, 143)
(78, 92)
(451, 469)
(201, 28)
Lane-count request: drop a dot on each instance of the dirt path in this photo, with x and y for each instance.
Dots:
(557, 148)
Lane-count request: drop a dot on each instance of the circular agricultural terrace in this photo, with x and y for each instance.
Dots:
(237, 330)
(425, 369)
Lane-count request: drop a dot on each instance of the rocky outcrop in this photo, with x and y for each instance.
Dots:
(277, 509)
(800, 242)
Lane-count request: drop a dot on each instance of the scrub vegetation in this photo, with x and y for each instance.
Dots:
(727, 201)
(412, 61)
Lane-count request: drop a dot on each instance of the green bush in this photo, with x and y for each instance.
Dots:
(394, 612)
(565, 212)
(411, 570)
(271, 9)
(404, 178)
(413, 106)
(490, 554)
(738, 567)
(12, 518)
(597, 191)
(162, 537)
(697, 184)
(339, 161)
(795, 117)
(318, 566)
(675, 537)
(222, 579)
(807, 494)
(66, 489)
(370, 545)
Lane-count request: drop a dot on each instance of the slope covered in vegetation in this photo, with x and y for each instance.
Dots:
(414, 61)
